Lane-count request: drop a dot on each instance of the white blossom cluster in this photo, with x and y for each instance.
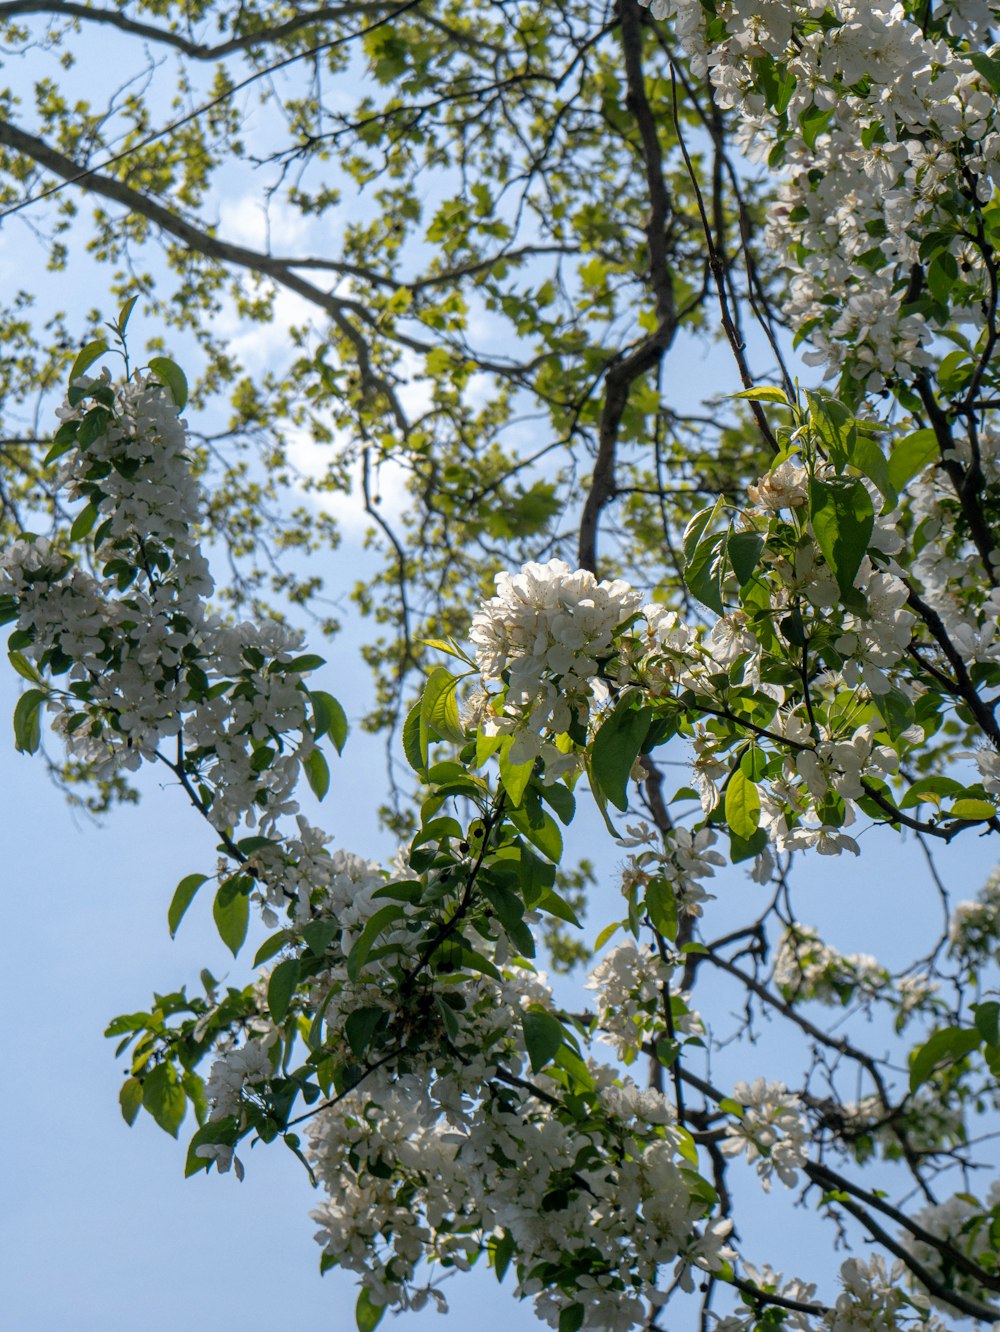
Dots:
(966, 1225)
(807, 968)
(974, 930)
(877, 119)
(433, 1165)
(924, 1124)
(773, 1131)
(631, 985)
(137, 657)
(546, 633)
(681, 860)
(238, 1068)
(871, 1299)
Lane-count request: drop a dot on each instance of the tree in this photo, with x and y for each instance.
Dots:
(821, 645)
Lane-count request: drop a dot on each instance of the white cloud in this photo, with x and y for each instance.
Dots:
(276, 227)
(387, 484)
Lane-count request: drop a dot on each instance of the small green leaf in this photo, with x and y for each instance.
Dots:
(911, 455)
(27, 723)
(754, 764)
(130, 1099)
(24, 667)
(766, 393)
(842, 520)
(367, 1313)
(945, 1047)
(661, 907)
(988, 1021)
(125, 314)
(616, 747)
(83, 522)
(975, 811)
(172, 377)
(231, 911)
(742, 805)
(330, 718)
(366, 940)
(281, 987)
(92, 352)
(607, 933)
(440, 706)
(182, 899)
(317, 772)
(543, 1036)
(502, 1250)
(704, 558)
(744, 551)
(415, 739)
(164, 1098)
(988, 66)
(361, 1026)
(270, 947)
(514, 776)
(571, 1318)
(869, 459)
(216, 1131)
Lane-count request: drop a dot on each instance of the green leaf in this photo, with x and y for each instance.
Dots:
(661, 907)
(945, 1047)
(744, 550)
(704, 558)
(502, 1251)
(367, 1313)
(24, 667)
(745, 848)
(766, 393)
(571, 1318)
(911, 455)
(439, 707)
(215, 1131)
(616, 747)
(415, 739)
(317, 772)
(607, 933)
(540, 828)
(125, 314)
(329, 718)
(975, 811)
(869, 459)
(361, 1026)
(172, 377)
(543, 1036)
(182, 899)
(742, 805)
(557, 906)
(269, 947)
(27, 723)
(842, 520)
(86, 357)
(281, 987)
(987, 1018)
(813, 121)
(514, 776)
(561, 799)
(130, 1099)
(83, 522)
(231, 911)
(988, 66)
(366, 940)
(754, 763)
(164, 1098)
